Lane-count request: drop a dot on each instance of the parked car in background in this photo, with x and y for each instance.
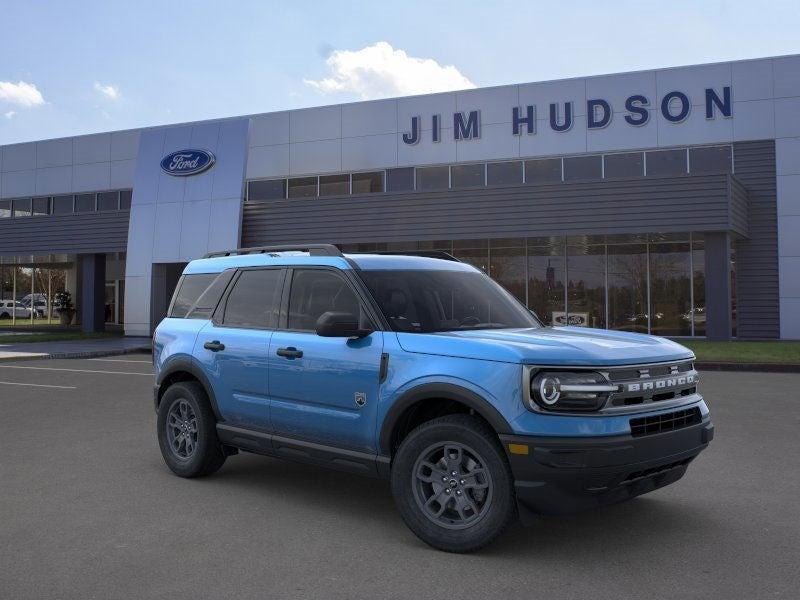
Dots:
(14, 308)
(39, 304)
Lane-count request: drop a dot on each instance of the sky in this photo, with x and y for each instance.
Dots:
(85, 66)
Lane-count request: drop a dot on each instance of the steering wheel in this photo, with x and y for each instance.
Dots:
(470, 320)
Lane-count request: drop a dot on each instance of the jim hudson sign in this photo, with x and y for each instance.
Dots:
(674, 107)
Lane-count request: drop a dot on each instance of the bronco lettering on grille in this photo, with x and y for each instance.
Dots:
(661, 384)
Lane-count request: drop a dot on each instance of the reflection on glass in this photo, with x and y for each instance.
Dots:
(670, 297)
(586, 285)
(699, 285)
(546, 266)
(473, 252)
(627, 287)
(507, 267)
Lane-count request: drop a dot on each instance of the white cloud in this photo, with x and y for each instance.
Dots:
(10, 114)
(20, 93)
(109, 91)
(380, 71)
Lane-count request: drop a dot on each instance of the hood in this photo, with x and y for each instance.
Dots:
(578, 346)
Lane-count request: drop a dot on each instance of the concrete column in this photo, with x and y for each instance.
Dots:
(93, 287)
(718, 286)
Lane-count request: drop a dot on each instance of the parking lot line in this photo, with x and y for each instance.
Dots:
(74, 370)
(125, 360)
(61, 387)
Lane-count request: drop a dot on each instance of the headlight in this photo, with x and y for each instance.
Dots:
(570, 390)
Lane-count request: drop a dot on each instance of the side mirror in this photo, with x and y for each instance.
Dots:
(340, 324)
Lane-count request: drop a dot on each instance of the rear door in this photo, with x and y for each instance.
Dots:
(324, 389)
(233, 347)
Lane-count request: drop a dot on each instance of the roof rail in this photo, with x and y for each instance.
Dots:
(312, 249)
(440, 254)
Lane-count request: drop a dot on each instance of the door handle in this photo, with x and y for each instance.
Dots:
(290, 352)
(214, 346)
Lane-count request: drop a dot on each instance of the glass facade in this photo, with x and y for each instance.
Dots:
(640, 283)
(38, 291)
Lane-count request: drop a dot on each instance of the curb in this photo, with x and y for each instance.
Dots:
(758, 367)
(87, 354)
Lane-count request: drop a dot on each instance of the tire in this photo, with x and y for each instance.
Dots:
(474, 506)
(190, 446)
(5, 316)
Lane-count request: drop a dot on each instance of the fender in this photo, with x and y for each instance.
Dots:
(447, 391)
(186, 364)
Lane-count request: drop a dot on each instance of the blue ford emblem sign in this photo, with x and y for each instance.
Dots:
(187, 162)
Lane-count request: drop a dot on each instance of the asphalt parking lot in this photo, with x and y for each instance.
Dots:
(88, 510)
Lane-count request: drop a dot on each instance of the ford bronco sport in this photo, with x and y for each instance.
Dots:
(423, 370)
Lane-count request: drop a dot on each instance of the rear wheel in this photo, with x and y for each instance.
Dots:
(452, 484)
(187, 433)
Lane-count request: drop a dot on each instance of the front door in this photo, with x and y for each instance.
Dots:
(233, 348)
(324, 389)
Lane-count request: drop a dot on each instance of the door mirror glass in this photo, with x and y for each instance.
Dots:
(340, 324)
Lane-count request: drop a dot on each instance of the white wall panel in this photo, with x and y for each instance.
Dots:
(269, 129)
(18, 183)
(19, 157)
(309, 124)
(151, 145)
(753, 120)
(425, 107)
(228, 172)
(787, 156)
(92, 148)
(790, 318)
(559, 92)
(268, 161)
(54, 180)
(787, 117)
(788, 238)
(496, 141)
(696, 129)
(221, 235)
(323, 156)
(616, 89)
(752, 79)
(141, 231)
(54, 153)
(369, 118)
(122, 172)
(620, 135)
(91, 177)
(790, 277)
(369, 152)
(195, 225)
(124, 144)
(546, 141)
(205, 136)
(427, 152)
(786, 71)
(168, 229)
(788, 195)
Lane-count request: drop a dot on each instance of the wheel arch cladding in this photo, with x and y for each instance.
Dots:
(414, 398)
(184, 370)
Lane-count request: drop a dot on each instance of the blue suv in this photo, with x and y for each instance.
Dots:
(423, 370)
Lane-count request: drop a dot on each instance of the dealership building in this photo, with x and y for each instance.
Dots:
(664, 201)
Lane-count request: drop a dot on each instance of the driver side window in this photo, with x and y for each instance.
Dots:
(317, 291)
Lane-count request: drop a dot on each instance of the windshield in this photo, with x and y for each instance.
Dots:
(429, 301)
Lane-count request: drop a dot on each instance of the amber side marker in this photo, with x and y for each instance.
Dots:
(518, 448)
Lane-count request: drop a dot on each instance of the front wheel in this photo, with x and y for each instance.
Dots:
(452, 484)
(187, 432)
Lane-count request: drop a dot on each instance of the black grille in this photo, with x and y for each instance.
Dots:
(637, 475)
(665, 422)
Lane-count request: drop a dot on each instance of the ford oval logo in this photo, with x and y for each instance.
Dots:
(187, 162)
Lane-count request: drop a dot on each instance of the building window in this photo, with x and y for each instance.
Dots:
(629, 164)
(41, 206)
(400, 180)
(504, 173)
(463, 176)
(507, 265)
(107, 201)
(474, 252)
(5, 209)
(22, 207)
(580, 168)
(627, 287)
(433, 178)
(334, 185)
(586, 283)
(546, 279)
(62, 205)
(670, 289)
(84, 203)
(125, 199)
(666, 162)
(303, 187)
(712, 159)
(367, 183)
(547, 170)
(270, 189)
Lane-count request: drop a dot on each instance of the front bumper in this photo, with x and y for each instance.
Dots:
(560, 475)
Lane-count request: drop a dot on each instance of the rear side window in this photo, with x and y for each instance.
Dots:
(208, 300)
(316, 291)
(189, 289)
(254, 300)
